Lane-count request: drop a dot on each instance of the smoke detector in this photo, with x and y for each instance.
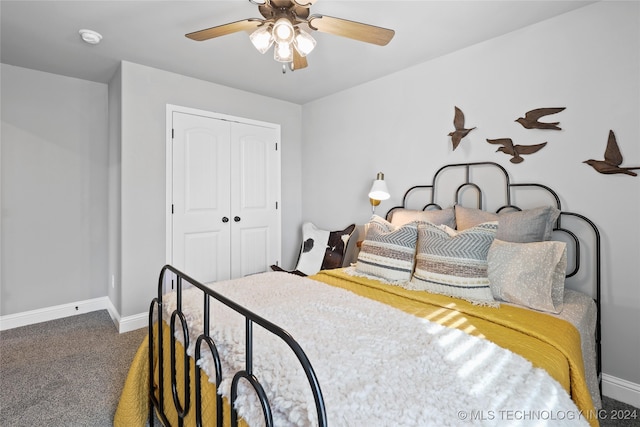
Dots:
(90, 36)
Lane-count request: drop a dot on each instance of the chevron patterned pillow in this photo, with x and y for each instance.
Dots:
(388, 251)
(455, 263)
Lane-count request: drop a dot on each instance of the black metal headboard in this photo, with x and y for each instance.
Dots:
(467, 179)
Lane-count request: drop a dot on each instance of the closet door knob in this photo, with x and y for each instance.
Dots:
(236, 218)
(225, 219)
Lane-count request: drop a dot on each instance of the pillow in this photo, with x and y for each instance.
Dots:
(528, 274)
(435, 216)
(322, 249)
(529, 225)
(336, 247)
(314, 245)
(455, 263)
(388, 251)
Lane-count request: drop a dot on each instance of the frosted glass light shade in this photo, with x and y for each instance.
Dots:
(283, 52)
(262, 38)
(283, 31)
(303, 42)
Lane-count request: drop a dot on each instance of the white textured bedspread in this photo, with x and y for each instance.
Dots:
(377, 366)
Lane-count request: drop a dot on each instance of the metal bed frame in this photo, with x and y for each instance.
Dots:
(509, 191)
(183, 407)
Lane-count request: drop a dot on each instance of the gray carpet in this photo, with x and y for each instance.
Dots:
(70, 372)
(66, 372)
(618, 414)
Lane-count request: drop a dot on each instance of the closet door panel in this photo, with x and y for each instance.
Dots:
(255, 189)
(253, 244)
(201, 197)
(202, 255)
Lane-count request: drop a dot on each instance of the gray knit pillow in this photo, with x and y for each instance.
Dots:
(528, 225)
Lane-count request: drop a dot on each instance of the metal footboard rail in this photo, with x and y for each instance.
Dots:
(157, 363)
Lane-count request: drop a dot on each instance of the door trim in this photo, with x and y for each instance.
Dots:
(170, 109)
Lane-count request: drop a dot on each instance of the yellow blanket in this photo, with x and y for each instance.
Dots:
(133, 407)
(548, 342)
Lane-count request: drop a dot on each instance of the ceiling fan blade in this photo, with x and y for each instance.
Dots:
(351, 29)
(223, 30)
(299, 61)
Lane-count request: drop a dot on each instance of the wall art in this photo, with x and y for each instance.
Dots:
(515, 151)
(612, 159)
(531, 119)
(460, 132)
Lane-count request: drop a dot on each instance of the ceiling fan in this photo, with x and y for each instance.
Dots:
(287, 24)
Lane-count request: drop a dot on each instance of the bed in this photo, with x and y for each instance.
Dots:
(426, 328)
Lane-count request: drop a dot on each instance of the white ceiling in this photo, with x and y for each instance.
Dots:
(43, 35)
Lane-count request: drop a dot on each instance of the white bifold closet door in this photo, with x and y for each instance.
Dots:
(225, 196)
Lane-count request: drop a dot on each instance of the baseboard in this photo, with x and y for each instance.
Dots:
(131, 323)
(123, 324)
(31, 317)
(622, 390)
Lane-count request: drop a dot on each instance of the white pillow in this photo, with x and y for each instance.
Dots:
(528, 274)
(314, 246)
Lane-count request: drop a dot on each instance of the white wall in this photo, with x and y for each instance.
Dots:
(83, 183)
(145, 93)
(54, 188)
(587, 60)
(114, 192)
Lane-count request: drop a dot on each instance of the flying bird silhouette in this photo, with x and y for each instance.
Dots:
(516, 151)
(531, 119)
(460, 132)
(612, 159)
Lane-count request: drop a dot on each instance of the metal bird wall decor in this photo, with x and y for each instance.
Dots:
(612, 160)
(516, 151)
(460, 131)
(531, 119)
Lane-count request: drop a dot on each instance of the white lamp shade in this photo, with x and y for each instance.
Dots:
(379, 190)
(262, 38)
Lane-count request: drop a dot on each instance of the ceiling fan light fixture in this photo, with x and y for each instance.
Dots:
(282, 25)
(262, 38)
(283, 31)
(283, 52)
(303, 42)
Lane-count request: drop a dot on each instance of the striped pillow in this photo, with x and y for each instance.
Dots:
(455, 263)
(388, 251)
